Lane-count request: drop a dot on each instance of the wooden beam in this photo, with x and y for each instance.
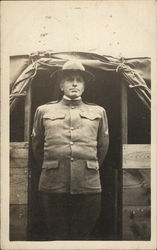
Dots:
(136, 156)
(27, 122)
(124, 113)
(27, 137)
(19, 151)
(18, 173)
(19, 186)
(118, 174)
(136, 224)
(18, 222)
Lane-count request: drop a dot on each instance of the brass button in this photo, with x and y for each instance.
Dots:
(71, 128)
(71, 143)
(72, 107)
(71, 158)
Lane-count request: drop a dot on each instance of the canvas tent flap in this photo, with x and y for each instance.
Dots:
(141, 65)
(135, 72)
(17, 65)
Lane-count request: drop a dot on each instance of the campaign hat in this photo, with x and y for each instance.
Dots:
(73, 66)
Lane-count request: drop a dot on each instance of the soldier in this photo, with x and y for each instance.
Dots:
(70, 141)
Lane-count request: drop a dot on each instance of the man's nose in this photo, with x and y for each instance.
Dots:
(74, 82)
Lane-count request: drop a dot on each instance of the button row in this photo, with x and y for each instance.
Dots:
(71, 158)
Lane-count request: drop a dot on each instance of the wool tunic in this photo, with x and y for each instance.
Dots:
(70, 140)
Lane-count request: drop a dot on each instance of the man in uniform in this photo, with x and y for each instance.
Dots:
(70, 141)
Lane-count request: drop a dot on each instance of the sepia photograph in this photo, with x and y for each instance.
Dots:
(78, 125)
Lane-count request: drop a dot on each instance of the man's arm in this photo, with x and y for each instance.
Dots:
(38, 138)
(103, 138)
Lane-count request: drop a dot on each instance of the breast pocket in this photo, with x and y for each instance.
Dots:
(54, 117)
(53, 123)
(90, 123)
(89, 116)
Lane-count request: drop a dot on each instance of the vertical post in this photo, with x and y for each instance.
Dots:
(27, 137)
(124, 140)
(118, 172)
(27, 119)
(124, 112)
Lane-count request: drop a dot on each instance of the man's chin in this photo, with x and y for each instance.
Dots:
(74, 96)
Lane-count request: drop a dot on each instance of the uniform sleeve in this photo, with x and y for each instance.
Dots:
(38, 138)
(103, 138)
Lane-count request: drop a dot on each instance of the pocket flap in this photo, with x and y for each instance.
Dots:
(93, 164)
(52, 164)
(90, 116)
(54, 116)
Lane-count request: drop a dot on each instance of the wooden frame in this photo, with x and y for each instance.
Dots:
(20, 174)
(134, 214)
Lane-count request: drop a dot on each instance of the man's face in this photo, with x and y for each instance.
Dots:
(72, 85)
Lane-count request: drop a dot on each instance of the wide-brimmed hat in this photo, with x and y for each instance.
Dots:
(73, 66)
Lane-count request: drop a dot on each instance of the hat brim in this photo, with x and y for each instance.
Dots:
(59, 74)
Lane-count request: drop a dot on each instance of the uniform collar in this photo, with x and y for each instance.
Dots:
(67, 101)
(67, 98)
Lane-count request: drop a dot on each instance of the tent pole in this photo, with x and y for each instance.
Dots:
(124, 113)
(27, 119)
(119, 172)
(124, 140)
(27, 137)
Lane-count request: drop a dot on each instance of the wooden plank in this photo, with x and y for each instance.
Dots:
(18, 172)
(18, 185)
(136, 155)
(136, 223)
(19, 144)
(18, 222)
(136, 204)
(19, 150)
(19, 163)
(27, 125)
(124, 112)
(136, 187)
(19, 155)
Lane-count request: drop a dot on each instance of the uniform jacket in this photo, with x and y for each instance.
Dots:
(70, 140)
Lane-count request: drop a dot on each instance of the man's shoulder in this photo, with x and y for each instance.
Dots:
(93, 107)
(45, 107)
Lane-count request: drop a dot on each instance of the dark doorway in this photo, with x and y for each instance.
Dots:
(106, 92)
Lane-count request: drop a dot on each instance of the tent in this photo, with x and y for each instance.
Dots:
(134, 71)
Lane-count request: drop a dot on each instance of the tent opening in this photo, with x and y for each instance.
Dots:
(105, 92)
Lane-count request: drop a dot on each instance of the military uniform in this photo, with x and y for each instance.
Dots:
(70, 141)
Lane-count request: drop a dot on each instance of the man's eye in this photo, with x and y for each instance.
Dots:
(70, 79)
(78, 79)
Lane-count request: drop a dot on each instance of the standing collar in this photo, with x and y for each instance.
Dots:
(68, 98)
(67, 101)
